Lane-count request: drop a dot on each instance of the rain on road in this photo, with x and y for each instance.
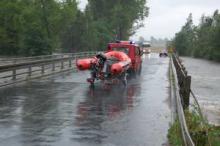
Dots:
(63, 110)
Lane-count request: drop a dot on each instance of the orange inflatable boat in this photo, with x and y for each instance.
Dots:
(105, 66)
(122, 62)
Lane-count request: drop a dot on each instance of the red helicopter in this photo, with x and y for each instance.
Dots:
(122, 58)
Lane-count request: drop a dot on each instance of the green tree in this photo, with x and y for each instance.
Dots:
(202, 40)
(184, 40)
(123, 17)
(10, 26)
(215, 49)
(39, 27)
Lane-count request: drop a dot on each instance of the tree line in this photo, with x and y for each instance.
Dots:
(40, 27)
(201, 41)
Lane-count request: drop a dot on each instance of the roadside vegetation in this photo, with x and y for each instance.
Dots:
(199, 41)
(202, 134)
(174, 134)
(39, 27)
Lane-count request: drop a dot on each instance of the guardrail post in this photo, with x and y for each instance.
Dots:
(62, 64)
(53, 66)
(186, 95)
(29, 71)
(184, 82)
(70, 63)
(14, 74)
(42, 69)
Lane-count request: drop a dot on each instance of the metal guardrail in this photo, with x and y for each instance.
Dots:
(179, 100)
(22, 69)
(9, 61)
(183, 85)
(184, 81)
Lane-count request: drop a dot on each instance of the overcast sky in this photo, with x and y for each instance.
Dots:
(166, 17)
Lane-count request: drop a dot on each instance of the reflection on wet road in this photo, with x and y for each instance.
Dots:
(63, 110)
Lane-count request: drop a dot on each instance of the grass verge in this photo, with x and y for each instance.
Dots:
(174, 134)
(202, 134)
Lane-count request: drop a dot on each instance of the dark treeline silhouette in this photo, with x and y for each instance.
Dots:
(39, 27)
(201, 41)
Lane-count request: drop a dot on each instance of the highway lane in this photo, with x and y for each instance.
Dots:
(63, 110)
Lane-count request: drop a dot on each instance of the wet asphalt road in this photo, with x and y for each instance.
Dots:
(63, 110)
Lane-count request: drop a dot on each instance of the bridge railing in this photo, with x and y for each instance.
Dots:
(182, 93)
(184, 81)
(26, 68)
(9, 61)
